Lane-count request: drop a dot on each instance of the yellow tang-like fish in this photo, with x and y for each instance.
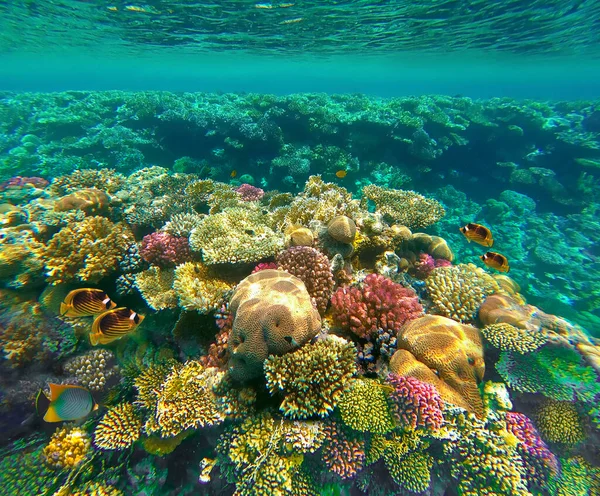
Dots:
(66, 402)
(495, 261)
(478, 233)
(114, 324)
(341, 174)
(85, 302)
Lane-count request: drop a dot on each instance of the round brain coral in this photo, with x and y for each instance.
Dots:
(313, 268)
(379, 304)
(342, 229)
(273, 314)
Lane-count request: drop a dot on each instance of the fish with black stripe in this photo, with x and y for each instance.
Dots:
(86, 302)
(114, 324)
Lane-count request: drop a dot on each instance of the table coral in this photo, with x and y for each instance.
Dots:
(378, 304)
(67, 448)
(507, 337)
(364, 407)
(415, 404)
(457, 292)
(273, 314)
(85, 251)
(559, 422)
(235, 235)
(119, 428)
(404, 207)
(199, 288)
(156, 287)
(93, 369)
(165, 250)
(313, 268)
(312, 378)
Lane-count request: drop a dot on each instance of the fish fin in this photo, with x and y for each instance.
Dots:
(94, 339)
(57, 389)
(42, 402)
(96, 406)
(64, 309)
(51, 415)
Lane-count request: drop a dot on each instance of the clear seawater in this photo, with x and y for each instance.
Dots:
(490, 109)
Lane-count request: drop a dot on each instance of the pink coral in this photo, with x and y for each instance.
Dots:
(250, 193)
(165, 250)
(343, 454)
(415, 404)
(313, 269)
(379, 304)
(264, 266)
(24, 182)
(423, 266)
(442, 262)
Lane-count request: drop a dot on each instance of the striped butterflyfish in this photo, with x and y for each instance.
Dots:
(495, 261)
(478, 233)
(85, 302)
(65, 402)
(114, 324)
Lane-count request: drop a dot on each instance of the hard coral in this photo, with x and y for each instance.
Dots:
(378, 304)
(163, 250)
(559, 422)
(156, 287)
(198, 288)
(312, 378)
(91, 201)
(119, 428)
(249, 192)
(67, 448)
(273, 314)
(342, 229)
(507, 337)
(93, 369)
(363, 407)
(415, 404)
(181, 225)
(313, 268)
(343, 452)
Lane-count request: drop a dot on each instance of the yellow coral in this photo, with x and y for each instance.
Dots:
(95, 489)
(148, 383)
(103, 179)
(86, 251)
(156, 287)
(404, 207)
(197, 288)
(507, 337)
(559, 422)
(119, 428)
(156, 445)
(364, 407)
(458, 291)
(67, 448)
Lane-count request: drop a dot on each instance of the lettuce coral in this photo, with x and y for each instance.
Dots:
(198, 288)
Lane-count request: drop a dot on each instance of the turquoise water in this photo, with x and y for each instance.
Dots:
(300, 248)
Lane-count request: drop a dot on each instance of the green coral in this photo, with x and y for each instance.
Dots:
(312, 378)
(412, 472)
(364, 407)
(25, 473)
(577, 478)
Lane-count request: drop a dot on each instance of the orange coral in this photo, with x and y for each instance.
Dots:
(91, 201)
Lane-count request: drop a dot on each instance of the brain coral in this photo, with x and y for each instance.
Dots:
(457, 292)
(197, 288)
(443, 353)
(273, 314)
(235, 235)
(342, 229)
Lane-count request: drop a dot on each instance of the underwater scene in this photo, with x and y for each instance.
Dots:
(333, 293)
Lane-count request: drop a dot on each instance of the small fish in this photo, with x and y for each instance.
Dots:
(85, 302)
(113, 9)
(114, 324)
(292, 21)
(478, 233)
(233, 173)
(66, 402)
(286, 5)
(263, 6)
(341, 174)
(495, 261)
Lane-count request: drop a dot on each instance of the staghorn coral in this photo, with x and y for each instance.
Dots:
(313, 269)
(67, 448)
(404, 207)
(415, 404)
(559, 422)
(181, 225)
(312, 378)
(363, 407)
(198, 288)
(93, 369)
(378, 304)
(273, 314)
(164, 250)
(85, 251)
(445, 354)
(156, 287)
(457, 292)
(507, 337)
(343, 453)
(119, 429)
(235, 235)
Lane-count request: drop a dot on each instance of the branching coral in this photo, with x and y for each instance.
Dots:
(412, 472)
(404, 207)
(458, 291)
(198, 288)
(95, 489)
(103, 179)
(181, 225)
(312, 378)
(156, 287)
(415, 404)
(507, 337)
(343, 452)
(86, 251)
(93, 369)
(165, 250)
(364, 407)
(559, 422)
(67, 448)
(249, 192)
(378, 304)
(235, 235)
(119, 428)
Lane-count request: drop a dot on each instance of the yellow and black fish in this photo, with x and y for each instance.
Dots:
(114, 324)
(85, 302)
(478, 233)
(66, 402)
(495, 261)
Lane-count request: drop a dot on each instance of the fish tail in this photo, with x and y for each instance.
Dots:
(52, 415)
(42, 403)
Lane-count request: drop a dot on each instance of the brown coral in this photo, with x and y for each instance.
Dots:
(443, 353)
(91, 201)
(273, 314)
(342, 229)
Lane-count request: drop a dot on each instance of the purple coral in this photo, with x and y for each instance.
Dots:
(24, 182)
(415, 404)
(250, 193)
(540, 462)
(165, 250)
(344, 454)
(379, 303)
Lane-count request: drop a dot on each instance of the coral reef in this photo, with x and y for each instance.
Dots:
(119, 428)
(342, 229)
(364, 407)
(415, 404)
(67, 448)
(93, 369)
(249, 192)
(507, 337)
(559, 422)
(156, 287)
(91, 201)
(165, 250)
(198, 288)
(343, 453)
(181, 225)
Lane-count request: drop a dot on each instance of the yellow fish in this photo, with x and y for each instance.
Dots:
(495, 261)
(341, 174)
(85, 302)
(114, 324)
(478, 233)
(66, 402)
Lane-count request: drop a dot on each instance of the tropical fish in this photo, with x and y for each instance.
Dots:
(292, 21)
(66, 402)
(495, 261)
(478, 233)
(263, 6)
(341, 173)
(233, 173)
(85, 302)
(114, 324)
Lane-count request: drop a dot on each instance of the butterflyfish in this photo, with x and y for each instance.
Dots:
(114, 324)
(495, 261)
(233, 173)
(65, 402)
(341, 174)
(85, 302)
(478, 233)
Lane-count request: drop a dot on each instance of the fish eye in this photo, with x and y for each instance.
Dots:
(288, 339)
(136, 319)
(108, 304)
(471, 361)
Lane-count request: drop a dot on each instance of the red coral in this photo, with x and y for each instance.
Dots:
(250, 193)
(415, 404)
(313, 269)
(264, 266)
(442, 262)
(423, 267)
(379, 304)
(165, 250)
(342, 454)
(24, 182)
